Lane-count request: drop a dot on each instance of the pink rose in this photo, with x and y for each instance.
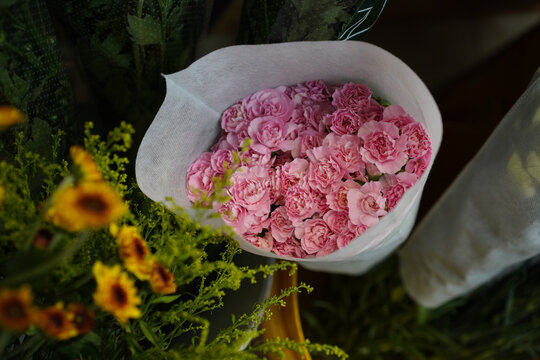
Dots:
(307, 140)
(291, 173)
(313, 235)
(337, 221)
(418, 165)
(418, 142)
(324, 170)
(233, 119)
(346, 150)
(337, 197)
(350, 95)
(383, 146)
(281, 226)
(222, 160)
(268, 102)
(251, 189)
(300, 203)
(290, 247)
(344, 121)
(366, 204)
(394, 187)
(265, 243)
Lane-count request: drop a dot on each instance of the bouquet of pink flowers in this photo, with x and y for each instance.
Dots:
(325, 161)
(312, 166)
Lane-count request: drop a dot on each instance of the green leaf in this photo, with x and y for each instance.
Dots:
(144, 31)
(165, 299)
(147, 332)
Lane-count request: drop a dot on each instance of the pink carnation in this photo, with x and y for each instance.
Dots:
(394, 187)
(330, 246)
(270, 132)
(307, 140)
(366, 204)
(268, 102)
(344, 121)
(265, 242)
(281, 226)
(324, 170)
(291, 173)
(350, 95)
(396, 115)
(233, 119)
(337, 221)
(371, 112)
(290, 247)
(233, 215)
(337, 197)
(383, 146)
(313, 235)
(418, 142)
(222, 160)
(346, 150)
(300, 203)
(418, 165)
(199, 178)
(251, 189)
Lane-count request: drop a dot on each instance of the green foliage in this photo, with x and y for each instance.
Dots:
(174, 326)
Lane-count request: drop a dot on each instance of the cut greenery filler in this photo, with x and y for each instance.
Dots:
(93, 269)
(312, 166)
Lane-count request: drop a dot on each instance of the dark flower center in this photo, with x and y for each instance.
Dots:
(164, 275)
(119, 295)
(82, 320)
(14, 310)
(43, 238)
(140, 249)
(93, 203)
(57, 320)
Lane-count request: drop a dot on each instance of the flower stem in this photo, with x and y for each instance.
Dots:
(5, 340)
(49, 263)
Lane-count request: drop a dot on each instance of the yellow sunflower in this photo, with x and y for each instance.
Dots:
(85, 164)
(162, 280)
(86, 205)
(10, 115)
(116, 292)
(133, 251)
(16, 308)
(56, 322)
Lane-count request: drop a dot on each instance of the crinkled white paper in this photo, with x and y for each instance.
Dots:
(489, 218)
(188, 123)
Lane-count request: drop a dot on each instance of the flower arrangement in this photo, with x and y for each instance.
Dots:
(91, 268)
(312, 166)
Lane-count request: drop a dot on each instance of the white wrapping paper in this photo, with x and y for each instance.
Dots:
(188, 124)
(489, 218)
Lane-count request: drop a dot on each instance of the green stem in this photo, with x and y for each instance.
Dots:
(27, 344)
(50, 263)
(5, 340)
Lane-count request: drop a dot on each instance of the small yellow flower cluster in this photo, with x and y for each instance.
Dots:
(17, 314)
(90, 203)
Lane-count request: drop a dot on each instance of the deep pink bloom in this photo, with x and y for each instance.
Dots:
(313, 235)
(350, 95)
(268, 102)
(324, 170)
(394, 187)
(366, 205)
(344, 121)
(383, 146)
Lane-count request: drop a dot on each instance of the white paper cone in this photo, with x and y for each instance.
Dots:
(188, 122)
(488, 219)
